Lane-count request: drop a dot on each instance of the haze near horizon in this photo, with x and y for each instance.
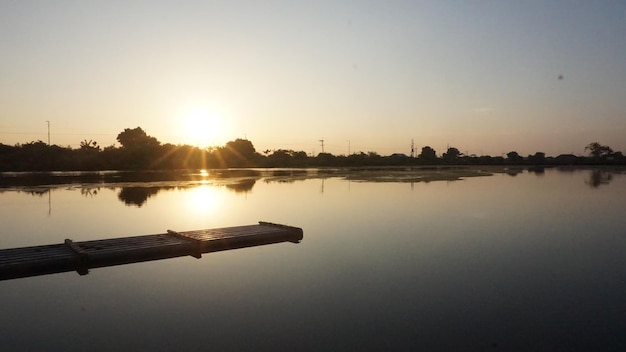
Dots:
(486, 77)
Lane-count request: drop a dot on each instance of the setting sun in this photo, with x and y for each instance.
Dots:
(201, 126)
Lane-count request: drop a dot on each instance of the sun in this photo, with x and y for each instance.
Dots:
(201, 126)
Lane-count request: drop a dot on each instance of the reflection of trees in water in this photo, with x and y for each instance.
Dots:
(538, 170)
(242, 186)
(514, 172)
(289, 173)
(38, 192)
(287, 176)
(233, 173)
(33, 191)
(137, 195)
(599, 177)
(89, 192)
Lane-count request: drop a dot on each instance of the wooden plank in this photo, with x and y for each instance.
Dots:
(219, 239)
(82, 256)
(49, 259)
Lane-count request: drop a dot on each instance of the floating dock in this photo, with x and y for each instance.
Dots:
(82, 256)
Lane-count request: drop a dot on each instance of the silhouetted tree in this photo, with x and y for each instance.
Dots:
(284, 157)
(139, 150)
(280, 157)
(325, 159)
(237, 153)
(597, 150)
(451, 154)
(136, 137)
(89, 144)
(514, 158)
(301, 156)
(39, 156)
(537, 158)
(8, 159)
(428, 154)
(88, 157)
(242, 147)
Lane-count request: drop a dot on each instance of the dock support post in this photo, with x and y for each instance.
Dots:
(82, 258)
(196, 251)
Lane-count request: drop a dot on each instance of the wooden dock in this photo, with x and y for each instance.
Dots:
(82, 256)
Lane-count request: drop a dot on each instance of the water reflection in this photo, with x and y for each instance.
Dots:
(599, 177)
(243, 186)
(488, 263)
(135, 188)
(514, 171)
(138, 195)
(90, 192)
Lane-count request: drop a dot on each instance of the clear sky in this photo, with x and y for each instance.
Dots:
(487, 77)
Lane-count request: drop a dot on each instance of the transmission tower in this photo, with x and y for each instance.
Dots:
(412, 149)
(322, 143)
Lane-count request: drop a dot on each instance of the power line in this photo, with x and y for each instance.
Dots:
(60, 134)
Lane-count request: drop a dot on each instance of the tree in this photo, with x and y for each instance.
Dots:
(325, 159)
(241, 148)
(427, 154)
(514, 157)
(451, 154)
(597, 150)
(280, 157)
(301, 155)
(139, 151)
(89, 145)
(537, 158)
(237, 153)
(136, 137)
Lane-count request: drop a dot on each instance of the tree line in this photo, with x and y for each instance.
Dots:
(139, 151)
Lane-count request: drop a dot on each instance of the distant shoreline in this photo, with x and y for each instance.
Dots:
(140, 152)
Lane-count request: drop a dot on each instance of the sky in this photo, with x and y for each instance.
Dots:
(486, 77)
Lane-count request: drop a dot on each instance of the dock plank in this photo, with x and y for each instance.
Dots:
(85, 255)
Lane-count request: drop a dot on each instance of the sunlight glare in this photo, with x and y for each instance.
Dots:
(203, 199)
(202, 126)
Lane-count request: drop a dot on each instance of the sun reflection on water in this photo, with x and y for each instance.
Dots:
(203, 199)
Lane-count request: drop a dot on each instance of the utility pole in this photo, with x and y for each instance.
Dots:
(322, 142)
(48, 132)
(412, 148)
(348, 147)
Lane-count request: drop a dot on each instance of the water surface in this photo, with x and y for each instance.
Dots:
(519, 260)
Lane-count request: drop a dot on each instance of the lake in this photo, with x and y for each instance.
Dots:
(510, 260)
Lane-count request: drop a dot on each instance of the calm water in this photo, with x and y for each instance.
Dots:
(529, 262)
